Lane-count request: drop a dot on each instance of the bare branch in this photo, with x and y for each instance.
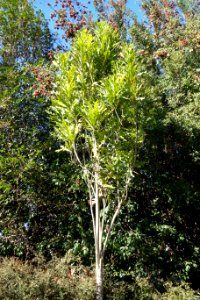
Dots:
(111, 226)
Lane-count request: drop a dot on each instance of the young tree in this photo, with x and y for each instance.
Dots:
(96, 113)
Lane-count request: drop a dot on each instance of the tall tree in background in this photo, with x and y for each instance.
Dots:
(24, 34)
(24, 38)
(37, 185)
(167, 46)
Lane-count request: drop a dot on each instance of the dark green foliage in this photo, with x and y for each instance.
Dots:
(24, 33)
(160, 231)
(38, 187)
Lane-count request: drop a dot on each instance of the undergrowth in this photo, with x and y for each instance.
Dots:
(66, 278)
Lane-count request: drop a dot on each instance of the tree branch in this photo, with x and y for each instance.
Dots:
(117, 211)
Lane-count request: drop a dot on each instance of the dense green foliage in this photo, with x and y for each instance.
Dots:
(170, 157)
(43, 200)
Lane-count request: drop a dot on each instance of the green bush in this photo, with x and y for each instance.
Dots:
(59, 279)
(142, 289)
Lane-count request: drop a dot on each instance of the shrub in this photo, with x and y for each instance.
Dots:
(67, 279)
(142, 289)
(59, 279)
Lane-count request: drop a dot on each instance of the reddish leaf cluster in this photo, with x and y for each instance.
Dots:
(196, 78)
(162, 54)
(70, 16)
(43, 85)
(161, 13)
(183, 42)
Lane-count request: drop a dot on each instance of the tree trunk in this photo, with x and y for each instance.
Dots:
(99, 280)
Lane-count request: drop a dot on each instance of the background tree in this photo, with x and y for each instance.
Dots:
(26, 171)
(24, 33)
(71, 16)
(24, 38)
(37, 185)
(168, 190)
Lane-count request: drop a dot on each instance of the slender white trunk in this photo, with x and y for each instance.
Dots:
(99, 280)
(98, 229)
(98, 247)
